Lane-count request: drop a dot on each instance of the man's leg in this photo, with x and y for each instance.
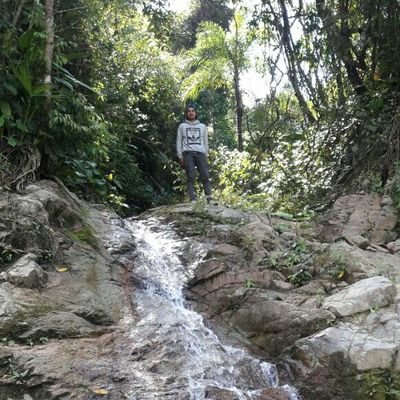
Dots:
(190, 173)
(202, 166)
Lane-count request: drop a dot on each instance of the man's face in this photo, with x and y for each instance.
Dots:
(191, 114)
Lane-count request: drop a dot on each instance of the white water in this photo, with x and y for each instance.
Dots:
(178, 357)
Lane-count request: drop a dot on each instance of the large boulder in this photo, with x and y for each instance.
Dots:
(367, 294)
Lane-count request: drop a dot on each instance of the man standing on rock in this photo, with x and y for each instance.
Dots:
(192, 150)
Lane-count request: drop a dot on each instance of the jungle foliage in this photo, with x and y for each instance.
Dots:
(92, 92)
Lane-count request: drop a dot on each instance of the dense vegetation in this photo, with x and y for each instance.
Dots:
(92, 92)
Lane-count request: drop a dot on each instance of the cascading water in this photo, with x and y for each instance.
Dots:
(175, 355)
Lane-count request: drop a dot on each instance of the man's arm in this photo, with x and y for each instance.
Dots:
(179, 142)
(206, 139)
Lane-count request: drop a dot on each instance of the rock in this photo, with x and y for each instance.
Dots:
(362, 296)
(273, 394)
(57, 325)
(288, 236)
(394, 247)
(274, 325)
(26, 272)
(360, 215)
(214, 393)
(228, 281)
(359, 264)
(209, 269)
(281, 286)
(360, 241)
(364, 350)
(90, 312)
(224, 250)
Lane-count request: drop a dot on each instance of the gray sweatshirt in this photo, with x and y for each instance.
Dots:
(192, 136)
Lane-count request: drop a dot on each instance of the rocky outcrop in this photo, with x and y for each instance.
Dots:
(62, 295)
(321, 298)
(356, 216)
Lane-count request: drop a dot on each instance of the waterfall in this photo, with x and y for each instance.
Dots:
(176, 356)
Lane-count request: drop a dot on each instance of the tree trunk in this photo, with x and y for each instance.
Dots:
(47, 80)
(341, 42)
(239, 109)
(238, 93)
(49, 49)
(293, 69)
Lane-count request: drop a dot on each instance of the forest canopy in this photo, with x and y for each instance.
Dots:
(92, 93)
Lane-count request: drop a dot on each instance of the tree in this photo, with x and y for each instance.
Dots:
(201, 11)
(217, 61)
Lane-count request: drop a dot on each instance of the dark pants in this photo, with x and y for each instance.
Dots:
(192, 160)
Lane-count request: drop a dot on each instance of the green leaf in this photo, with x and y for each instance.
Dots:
(25, 78)
(2, 121)
(12, 141)
(69, 76)
(282, 215)
(64, 82)
(5, 108)
(21, 126)
(24, 41)
(12, 89)
(38, 90)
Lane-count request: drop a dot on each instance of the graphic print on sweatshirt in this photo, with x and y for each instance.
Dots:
(193, 136)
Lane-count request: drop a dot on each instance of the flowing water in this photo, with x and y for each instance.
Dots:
(175, 355)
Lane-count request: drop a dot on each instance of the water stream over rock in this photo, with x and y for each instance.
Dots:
(176, 356)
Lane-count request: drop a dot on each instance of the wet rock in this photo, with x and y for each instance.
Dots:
(273, 325)
(215, 393)
(273, 394)
(275, 315)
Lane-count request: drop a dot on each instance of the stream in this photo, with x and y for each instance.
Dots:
(175, 355)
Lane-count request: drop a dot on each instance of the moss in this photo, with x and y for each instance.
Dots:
(84, 234)
(381, 384)
(196, 222)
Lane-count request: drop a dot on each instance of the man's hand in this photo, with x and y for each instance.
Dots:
(182, 162)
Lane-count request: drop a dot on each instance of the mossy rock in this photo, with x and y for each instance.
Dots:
(84, 234)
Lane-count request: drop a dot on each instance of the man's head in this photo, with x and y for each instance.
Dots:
(191, 112)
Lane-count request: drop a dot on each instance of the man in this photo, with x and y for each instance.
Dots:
(192, 150)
